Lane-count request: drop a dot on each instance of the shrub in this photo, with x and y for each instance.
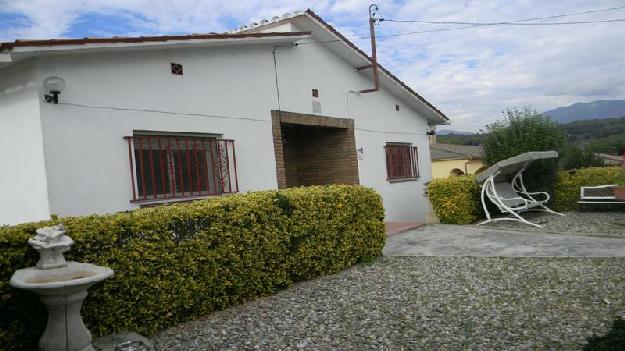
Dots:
(175, 263)
(525, 131)
(570, 182)
(456, 200)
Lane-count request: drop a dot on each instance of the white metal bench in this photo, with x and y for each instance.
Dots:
(602, 194)
(511, 197)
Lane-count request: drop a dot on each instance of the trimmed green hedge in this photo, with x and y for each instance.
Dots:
(569, 183)
(175, 263)
(456, 200)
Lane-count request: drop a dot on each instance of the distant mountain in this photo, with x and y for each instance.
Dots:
(592, 110)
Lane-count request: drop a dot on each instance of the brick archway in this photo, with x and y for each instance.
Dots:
(313, 150)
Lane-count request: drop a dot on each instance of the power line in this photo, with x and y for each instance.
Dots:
(517, 23)
(522, 20)
(574, 14)
(467, 26)
(426, 31)
(476, 25)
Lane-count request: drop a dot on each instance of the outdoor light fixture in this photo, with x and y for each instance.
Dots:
(54, 85)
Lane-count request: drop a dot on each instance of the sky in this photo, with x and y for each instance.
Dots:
(471, 74)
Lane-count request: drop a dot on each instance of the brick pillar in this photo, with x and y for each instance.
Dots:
(278, 148)
(319, 149)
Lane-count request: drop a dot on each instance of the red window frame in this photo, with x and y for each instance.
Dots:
(166, 167)
(402, 162)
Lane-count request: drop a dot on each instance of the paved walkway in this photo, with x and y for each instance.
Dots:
(460, 240)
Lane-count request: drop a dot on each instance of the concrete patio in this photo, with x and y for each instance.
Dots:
(468, 240)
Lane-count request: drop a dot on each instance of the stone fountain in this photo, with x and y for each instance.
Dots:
(62, 287)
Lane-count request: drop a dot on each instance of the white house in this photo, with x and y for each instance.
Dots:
(147, 120)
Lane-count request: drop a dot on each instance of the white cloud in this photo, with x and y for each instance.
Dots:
(472, 74)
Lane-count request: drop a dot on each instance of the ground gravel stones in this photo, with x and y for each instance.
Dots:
(425, 303)
(587, 223)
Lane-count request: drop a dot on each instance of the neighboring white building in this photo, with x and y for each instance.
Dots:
(148, 120)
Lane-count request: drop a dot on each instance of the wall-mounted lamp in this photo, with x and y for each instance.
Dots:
(431, 130)
(54, 85)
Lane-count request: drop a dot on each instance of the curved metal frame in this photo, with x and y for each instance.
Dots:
(530, 203)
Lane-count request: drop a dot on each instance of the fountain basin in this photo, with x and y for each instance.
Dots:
(70, 279)
(62, 288)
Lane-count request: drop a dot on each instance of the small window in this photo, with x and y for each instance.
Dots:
(178, 166)
(402, 162)
(176, 69)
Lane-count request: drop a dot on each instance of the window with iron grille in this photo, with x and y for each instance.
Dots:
(402, 162)
(179, 166)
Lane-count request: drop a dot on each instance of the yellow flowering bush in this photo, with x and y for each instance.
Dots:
(456, 200)
(178, 262)
(569, 183)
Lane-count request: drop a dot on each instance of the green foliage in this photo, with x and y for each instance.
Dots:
(574, 156)
(594, 128)
(525, 131)
(456, 200)
(521, 131)
(613, 144)
(175, 263)
(599, 135)
(570, 182)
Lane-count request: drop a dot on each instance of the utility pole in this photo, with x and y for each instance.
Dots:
(374, 60)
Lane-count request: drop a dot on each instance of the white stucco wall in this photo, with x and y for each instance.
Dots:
(376, 121)
(87, 157)
(23, 190)
(85, 146)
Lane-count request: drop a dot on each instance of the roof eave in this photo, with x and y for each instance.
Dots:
(88, 43)
(19, 50)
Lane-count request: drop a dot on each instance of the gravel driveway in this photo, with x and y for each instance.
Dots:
(587, 223)
(425, 303)
(469, 240)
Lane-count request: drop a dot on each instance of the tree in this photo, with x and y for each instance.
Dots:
(524, 131)
(521, 131)
(573, 156)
